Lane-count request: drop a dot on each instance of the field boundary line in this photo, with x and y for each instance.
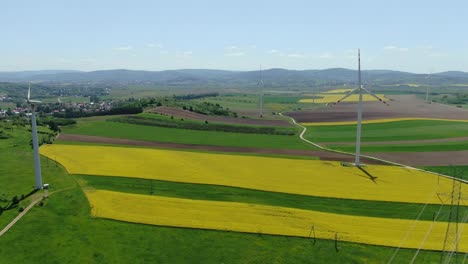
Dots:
(304, 130)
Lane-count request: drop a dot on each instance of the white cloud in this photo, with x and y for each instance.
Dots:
(163, 52)
(428, 47)
(235, 54)
(325, 56)
(89, 60)
(231, 48)
(296, 55)
(437, 54)
(273, 51)
(185, 54)
(253, 46)
(63, 60)
(154, 45)
(123, 48)
(395, 48)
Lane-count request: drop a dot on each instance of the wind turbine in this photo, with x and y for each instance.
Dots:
(359, 90)
(428, 77)
(37, 161)
(261, 84)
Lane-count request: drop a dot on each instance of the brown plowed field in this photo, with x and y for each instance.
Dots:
(437, 158)
(323, 155)
(400, 142)
(400, 106)
(180, 113)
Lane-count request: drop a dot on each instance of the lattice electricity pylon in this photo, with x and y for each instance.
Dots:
(453, 233)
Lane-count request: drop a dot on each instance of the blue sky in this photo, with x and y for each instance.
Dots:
(417, 36)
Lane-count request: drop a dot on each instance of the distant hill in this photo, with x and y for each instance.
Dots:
(206, 77)
(456, 74)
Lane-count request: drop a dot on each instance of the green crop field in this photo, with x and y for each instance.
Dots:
(224, 193)
(162, 134)
(401, 130)
(62, 230)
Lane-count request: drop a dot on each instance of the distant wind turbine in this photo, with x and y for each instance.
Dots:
(261, 84)
(427, 87)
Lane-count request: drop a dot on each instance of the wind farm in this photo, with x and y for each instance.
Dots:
(233, 133)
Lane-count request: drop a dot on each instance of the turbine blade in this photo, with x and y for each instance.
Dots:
(29, 91)
(374, 95)
(346, 96)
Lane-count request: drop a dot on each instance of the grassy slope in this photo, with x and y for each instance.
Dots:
(148, 133)
(224, 193)
(62, 231)
(401, 130)
(17, 172)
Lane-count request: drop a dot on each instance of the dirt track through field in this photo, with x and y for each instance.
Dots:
(323, 155)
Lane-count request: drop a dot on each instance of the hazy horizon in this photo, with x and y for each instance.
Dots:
(183, 69)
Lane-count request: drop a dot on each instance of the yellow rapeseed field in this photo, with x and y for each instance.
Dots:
(332, 98)
(263, 219)
(306, 177)
(341, 91)
(335, 91)
(376, 121)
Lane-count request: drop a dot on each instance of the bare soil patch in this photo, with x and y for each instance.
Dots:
(180, 113)
(323, 155)
(400, 106)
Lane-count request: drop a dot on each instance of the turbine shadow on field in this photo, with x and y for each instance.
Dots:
(16, 200)
(371, 177)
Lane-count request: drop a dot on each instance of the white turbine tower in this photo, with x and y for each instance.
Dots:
(37, 161)
(428, 77)
(261, 84)
(359, 90)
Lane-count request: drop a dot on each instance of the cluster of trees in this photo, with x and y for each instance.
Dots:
(207, 108)
(457, 98)
(195, 96)
(137, 120)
